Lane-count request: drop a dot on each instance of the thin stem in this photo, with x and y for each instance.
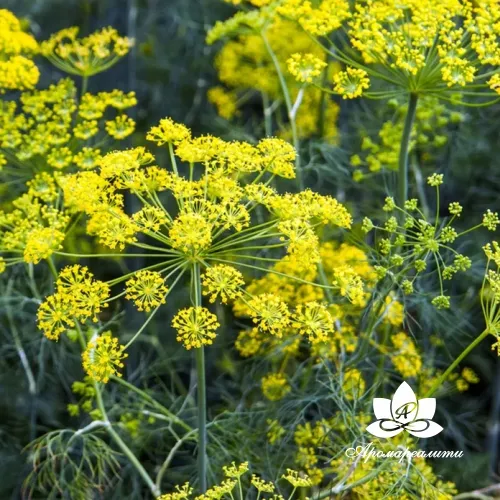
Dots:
(85, 83)
(165, 411)
(201, 388)
(152, 315)
(122, 445)
(115, 436)
(455, 363)
(289, 108)
(402, 193)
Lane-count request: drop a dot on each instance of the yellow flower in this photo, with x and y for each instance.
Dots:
(314, 320)
(261, 485)
(87, 158)
(351, 83)
(60, 158)
(85, 295)
(168, 131)
(103, 357)
(222, 281)
(470, 375)
(353, 384)
(54, 316)
(191, 232)
(297, 479)
(85, 56)
(235, 471)
(349, 284)
(278, 157)
(275, 386)
(200, 149)
(119, 128)
(181, 493)
(147, 289)
(195, 327)
(305, 67)
(150, 218)
(41, 243)
(270, 313)
(406, 359)
(224, 101)
(494, 83)
(18, 73)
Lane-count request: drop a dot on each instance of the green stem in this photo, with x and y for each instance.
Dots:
(402, 193)
(114, 435)
(85, 83)
(165, 411)
(289, 109)
(125, 449)
(450, 369)
(201, 388)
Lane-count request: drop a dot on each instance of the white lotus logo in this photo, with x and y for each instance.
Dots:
(404, 413)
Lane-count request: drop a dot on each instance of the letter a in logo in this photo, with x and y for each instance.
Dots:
(404, 413)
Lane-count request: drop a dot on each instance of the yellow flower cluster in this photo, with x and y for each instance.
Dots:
(305, 67)
(222, 281)
(147, 289)
(33, 230)
(424, 47)
(51, 127)
(275, 386)
(233, 474)
(351, 83)
(17, 48)
(78, 296)
(406, 358)
(195, 327)
(85, 56)
(244, 64)
(429, 135)
(103, 357)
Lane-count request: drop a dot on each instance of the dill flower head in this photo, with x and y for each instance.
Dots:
(199, 149)
(351, 83)
(277, 156)
(235, 471)
(349, 283)
(119, 128)
(195, 327)
(222, 281)
(261, 485)
(85, 56)
(103, 357)
(314, 320)
(85, 295)
(191, 232)
(54, 316)
(218, 491)
(297, 479)
(353, 384)
(224, 101)
(275, 386)
(305, 67)
(494, 83)
(17, 70)
(406, 358)
(270, 313)
(41, 243)
(147, 289)
(168, 131)
(182, 493)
